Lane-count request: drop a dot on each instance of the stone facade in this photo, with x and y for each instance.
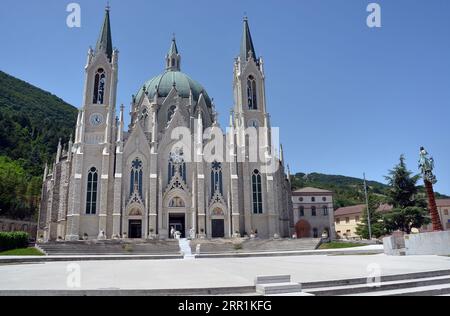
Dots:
(313, 213)
(141, 183)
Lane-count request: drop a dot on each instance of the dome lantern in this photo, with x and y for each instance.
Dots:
(173, 58)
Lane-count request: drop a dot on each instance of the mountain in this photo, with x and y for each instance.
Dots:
(31, 123)
(348, 191)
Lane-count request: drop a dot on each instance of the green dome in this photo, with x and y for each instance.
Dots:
(183, 83)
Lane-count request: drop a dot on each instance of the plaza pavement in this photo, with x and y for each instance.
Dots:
(208, 273)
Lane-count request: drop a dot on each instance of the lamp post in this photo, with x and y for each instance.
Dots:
(426, 165)
(369, 223)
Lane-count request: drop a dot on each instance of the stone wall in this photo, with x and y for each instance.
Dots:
(436, 243)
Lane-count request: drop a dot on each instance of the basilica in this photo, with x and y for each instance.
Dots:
(139, 182)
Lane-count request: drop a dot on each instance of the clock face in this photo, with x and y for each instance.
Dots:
(96, 119)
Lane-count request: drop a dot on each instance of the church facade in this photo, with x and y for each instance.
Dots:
(142, 183)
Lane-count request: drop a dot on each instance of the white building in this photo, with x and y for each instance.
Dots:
(112, 183)
(313, 212)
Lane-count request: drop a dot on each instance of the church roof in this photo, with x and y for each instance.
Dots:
(164, 83)
(104, 42)
(312, 190)
(247, 42)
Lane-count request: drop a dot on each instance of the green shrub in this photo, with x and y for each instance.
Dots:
(238, 247)
(14, 240)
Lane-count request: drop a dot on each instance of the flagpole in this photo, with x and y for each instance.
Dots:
(367, 206)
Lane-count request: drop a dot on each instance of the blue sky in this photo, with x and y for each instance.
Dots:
(348, 99)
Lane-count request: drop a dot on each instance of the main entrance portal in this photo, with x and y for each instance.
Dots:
(135, 229)
(178, 222)
(218, 228)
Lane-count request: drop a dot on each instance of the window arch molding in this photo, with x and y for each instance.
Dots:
(216, 178)
(252, 93)
(257, 192)
(136, 176)
(92, 191)
(99, 86)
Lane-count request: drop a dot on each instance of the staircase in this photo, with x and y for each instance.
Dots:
(431, 283)
(185, 248)
(278, 285)
(219, 246)
(110, 248)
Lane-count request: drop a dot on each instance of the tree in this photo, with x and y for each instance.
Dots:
(18, 194)
(376, 220)
(409, 209)
(403, 185)
(405, 219)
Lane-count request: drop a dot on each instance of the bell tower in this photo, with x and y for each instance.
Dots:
(93, 163)
(249, 84)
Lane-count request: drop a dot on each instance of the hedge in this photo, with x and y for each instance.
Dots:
(14, 240)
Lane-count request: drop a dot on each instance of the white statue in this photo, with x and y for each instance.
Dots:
(192, 233)
(101, 235)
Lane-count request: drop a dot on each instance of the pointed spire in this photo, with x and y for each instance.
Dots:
(247, 43)
(104, 43)
(231, 119)
(173, 48)
(70, 148)
(173, 58)
(45, 171)
(59, 151)
(281, 154)
(121, 123)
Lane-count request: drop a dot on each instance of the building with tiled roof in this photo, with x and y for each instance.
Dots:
(348, 218)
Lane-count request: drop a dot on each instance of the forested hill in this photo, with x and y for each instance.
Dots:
(31, 122)
(348, 191)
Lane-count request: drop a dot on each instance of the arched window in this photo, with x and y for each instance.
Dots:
(313, 211)
(216, 178)
(99, 86)
(176, 163)
(136, 176)
(171, 112)
(91, 199)
(257, 193)
(301, 212)
(252, 93)
(325, 211)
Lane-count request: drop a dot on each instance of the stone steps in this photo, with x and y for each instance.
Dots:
(431, 290)
(278, 285)
(253, 245)
(278, 288)
(426, 283)
(110, 248)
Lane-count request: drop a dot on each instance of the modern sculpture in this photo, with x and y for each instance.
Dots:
(426, 165)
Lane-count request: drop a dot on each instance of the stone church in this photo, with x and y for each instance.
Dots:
(112, 183)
